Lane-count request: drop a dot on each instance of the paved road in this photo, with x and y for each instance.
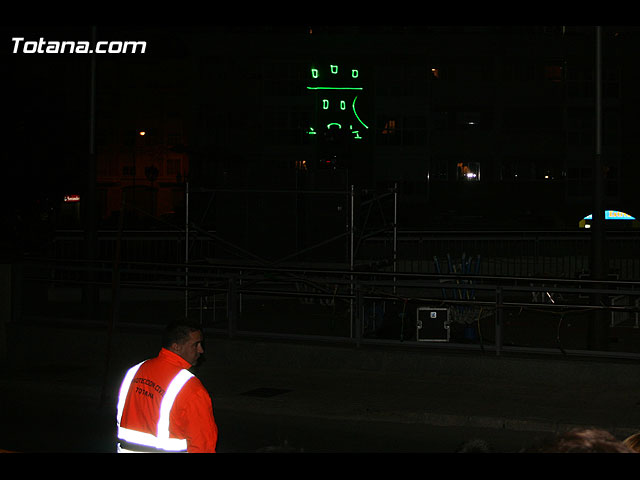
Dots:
(59, 414)
(70, 426)
(322, 398)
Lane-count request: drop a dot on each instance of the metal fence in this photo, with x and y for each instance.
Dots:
(482, 312)
(555, 254)
(524, 254)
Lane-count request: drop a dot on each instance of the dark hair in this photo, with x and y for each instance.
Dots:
(476, 445)
(633, 442)
(178, 332)
(590, 440)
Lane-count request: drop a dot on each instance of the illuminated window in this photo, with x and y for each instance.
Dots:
(469, 119)
(553, 73)
(388, 131)
(389, 127)
(468, 171)
(547, 174)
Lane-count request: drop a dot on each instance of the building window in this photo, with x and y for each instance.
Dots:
(414, 130)
(472, 120)
(462, 119)
(477, 72)
(581, 82)
(287, 126)
(530, 119)
(580, 126)
(284, 78)
(389, 127)
(439, 169)
(389, 131)
(518, 169)
(519, 72)
(553, 73)
(468, 171)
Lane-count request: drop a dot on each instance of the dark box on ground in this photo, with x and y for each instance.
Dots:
(432, 324)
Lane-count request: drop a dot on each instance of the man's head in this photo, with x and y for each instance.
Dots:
(184, 339)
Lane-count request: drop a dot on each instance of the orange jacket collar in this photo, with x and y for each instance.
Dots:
(173, 358)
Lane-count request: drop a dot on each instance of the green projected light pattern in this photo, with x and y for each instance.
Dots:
(335, 98)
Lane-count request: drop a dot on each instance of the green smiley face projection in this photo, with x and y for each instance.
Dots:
(338, 91)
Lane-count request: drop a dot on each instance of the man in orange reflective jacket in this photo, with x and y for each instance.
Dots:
(162, 406)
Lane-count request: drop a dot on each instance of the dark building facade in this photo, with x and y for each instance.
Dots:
(485, 127)
(478, 127)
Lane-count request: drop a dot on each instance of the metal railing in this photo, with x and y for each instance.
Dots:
(344, 305)
(556, 254)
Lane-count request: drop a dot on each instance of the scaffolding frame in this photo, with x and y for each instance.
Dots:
(349, 232)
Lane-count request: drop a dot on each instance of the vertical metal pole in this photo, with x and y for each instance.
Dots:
(598, 90)
(89, 209)
(232, 306)
(186, 251)
(597, 332)
(92, 112)
(358, 318)
(598, 214)
(498, 320)
(351, 233)
(395, 234)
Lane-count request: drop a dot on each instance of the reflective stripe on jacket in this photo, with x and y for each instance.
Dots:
(130, 440)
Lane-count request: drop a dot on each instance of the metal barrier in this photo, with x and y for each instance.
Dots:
(555, 254)
(343, 305)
